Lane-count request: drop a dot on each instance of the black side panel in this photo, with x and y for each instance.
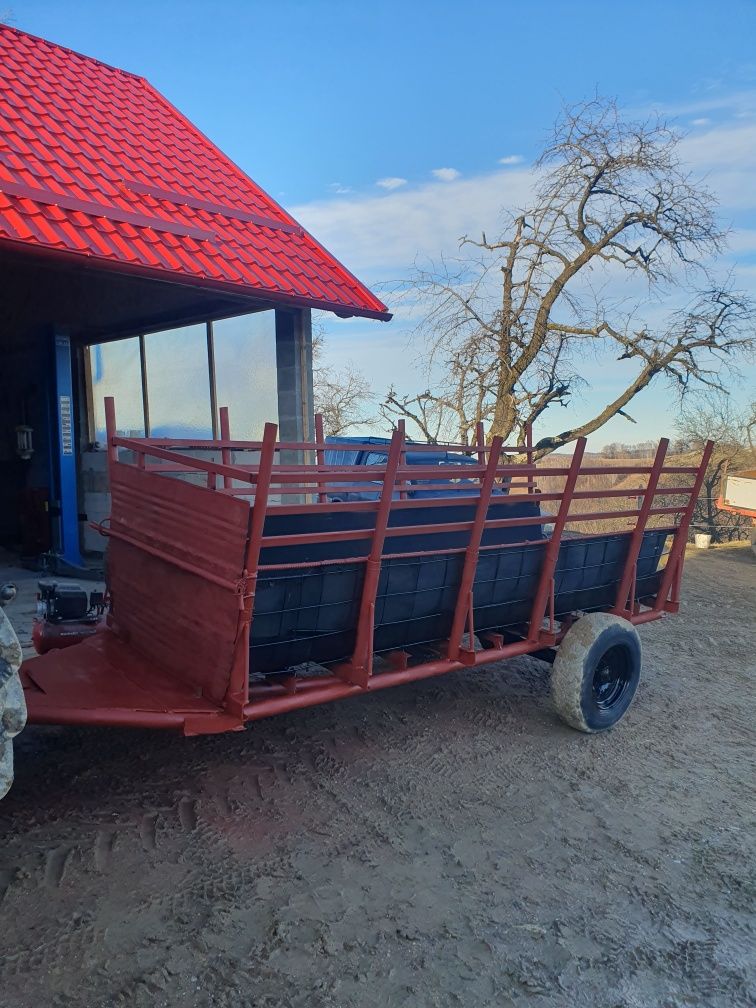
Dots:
(311, 614)
(438, 514)
(589, 570)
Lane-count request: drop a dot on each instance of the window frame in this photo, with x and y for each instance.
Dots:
(143, 378)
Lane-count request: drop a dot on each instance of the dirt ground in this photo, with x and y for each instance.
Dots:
(444, 843)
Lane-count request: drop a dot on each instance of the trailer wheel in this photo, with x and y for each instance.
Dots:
(596, 672)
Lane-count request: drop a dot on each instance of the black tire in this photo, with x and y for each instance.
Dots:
(596, 672)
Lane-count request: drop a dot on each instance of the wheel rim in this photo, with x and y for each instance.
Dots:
(611, 678)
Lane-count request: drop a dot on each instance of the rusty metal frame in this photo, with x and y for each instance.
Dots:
(269, 481)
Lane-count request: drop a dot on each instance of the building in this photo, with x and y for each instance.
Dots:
(137, 261)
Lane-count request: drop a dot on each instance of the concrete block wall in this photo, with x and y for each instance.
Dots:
(94, 495)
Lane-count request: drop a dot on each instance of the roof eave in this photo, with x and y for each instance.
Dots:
(187, 280)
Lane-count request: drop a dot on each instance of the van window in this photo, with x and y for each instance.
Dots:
(340, 457)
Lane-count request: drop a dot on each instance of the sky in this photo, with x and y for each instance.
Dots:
(391, 129)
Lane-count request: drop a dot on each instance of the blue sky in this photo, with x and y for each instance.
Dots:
(319, 102)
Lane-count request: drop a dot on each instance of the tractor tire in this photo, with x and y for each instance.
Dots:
(596, 672)
(12, 703)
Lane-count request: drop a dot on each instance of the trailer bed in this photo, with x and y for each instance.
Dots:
(240, 588)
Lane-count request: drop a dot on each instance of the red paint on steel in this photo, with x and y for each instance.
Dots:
(359, 669)
(106, 171)
(237, 695)
(677, 552)
(551, 552)
(334, 690)
(625, 600)
(111, 429)
(105, 680)
(463, 607)
(176, 555)
(185, 559)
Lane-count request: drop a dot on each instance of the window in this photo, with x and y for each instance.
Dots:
(339, 457)
(116, 371)
(376, 458)
(246, 374)
(178, 383)
(170, 384)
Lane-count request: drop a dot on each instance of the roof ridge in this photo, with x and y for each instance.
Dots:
(4, 26)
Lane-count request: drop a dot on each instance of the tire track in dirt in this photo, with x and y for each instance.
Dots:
(443, 843)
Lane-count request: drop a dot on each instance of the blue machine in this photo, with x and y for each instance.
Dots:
(63, 452)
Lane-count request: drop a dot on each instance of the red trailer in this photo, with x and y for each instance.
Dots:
(239, 588)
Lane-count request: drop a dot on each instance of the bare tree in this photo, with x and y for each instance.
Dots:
(508, 323)
(715, 420)
(343, 397)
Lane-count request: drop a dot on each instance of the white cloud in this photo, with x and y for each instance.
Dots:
(382, 236)
(511, 159)
(339, 188)
(391, 182)
(743, 241)
(700, 122)
(446, 174)
(727, 156)
(736, 103)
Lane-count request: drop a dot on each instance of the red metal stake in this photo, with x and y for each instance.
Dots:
(359, 669)
(464, 596)
(676, 556)
(623, 603)
(551, 552)
(237, 695)
(111, 429)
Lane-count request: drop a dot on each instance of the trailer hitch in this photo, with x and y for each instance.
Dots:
(12, 703)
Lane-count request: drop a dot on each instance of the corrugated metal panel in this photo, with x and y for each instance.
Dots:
(77, 135)
(163, 531)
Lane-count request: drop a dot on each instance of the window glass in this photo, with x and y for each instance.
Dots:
(245, 368)
(376, 458)
(340, 457)
(116, 372)
(178, 384)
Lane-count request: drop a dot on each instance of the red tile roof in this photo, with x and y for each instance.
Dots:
(95, 162)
